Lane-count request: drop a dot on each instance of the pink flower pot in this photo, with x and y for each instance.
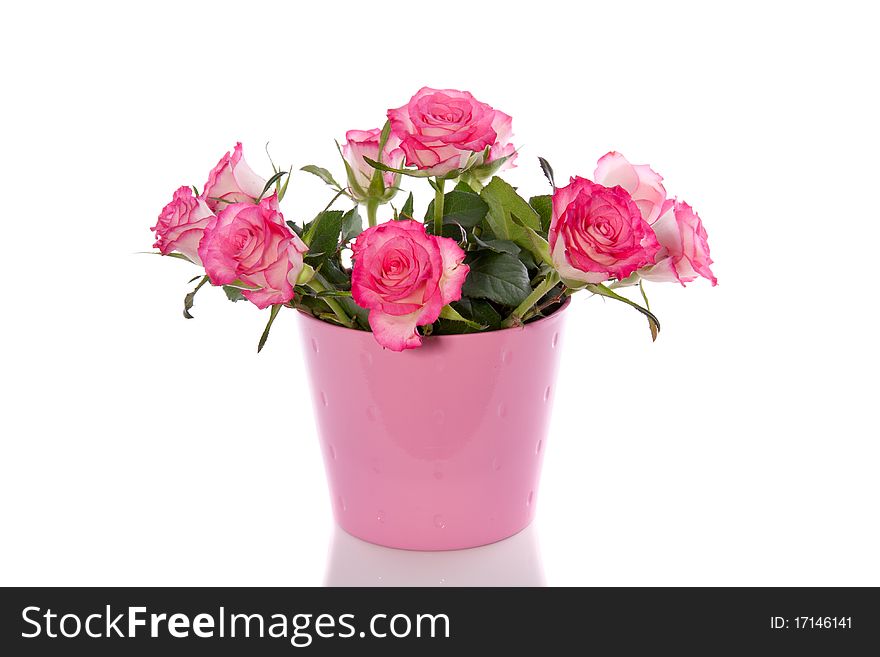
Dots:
(435, 448)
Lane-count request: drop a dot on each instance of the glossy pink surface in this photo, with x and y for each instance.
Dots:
(435, 448)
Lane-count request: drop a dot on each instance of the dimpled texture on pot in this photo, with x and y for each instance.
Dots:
(435, 448)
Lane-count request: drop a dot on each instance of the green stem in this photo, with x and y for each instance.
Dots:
(438, 206)
(201, 282)
(653, 322)
(372, 209)
(644, 296)
(536, 295)
(318, 284)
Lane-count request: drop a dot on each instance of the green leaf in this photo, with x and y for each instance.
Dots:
(174, 254)
(533, 242)
(653, 322)
(450, 313)
(407, 209)
(282, 189)
(527, 259)
(295, 227)
(543, 205)
(498, 246)
(314, 305)
(503, 201)
(241, 285)
(629, 281)
(511, 218)
(323, 174)
(548, 171)
(332, 270)
(415, 173)
(383, 136)
(361, 315)
(233, 293)
(527, 307)
(463, 208)
(322, 236)
(452, 231)
(270, 182)
(272, 314)
(480, 311)
(499, 277)
(352, 225)
(462, 186)
(485, 170)
(189, 299)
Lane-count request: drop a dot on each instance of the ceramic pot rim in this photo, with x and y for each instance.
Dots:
(449, 337)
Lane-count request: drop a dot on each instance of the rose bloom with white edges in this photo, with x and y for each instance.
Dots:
(232, 181)
(514, 259)
(250, 243)
(365, 143)
(404, 277)
(181, 225)
(598, 233)
(440, 129)
(684, 252)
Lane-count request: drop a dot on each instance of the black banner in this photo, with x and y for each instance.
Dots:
(277, 621)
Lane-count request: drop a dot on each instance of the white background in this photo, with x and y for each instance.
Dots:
(741, 448)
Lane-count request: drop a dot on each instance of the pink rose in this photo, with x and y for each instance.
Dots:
(233, 181)
(441, 129)
(685, 250)
(361, 143)
(250, 243)
(181, 225)
(404, 277)
(598, 233)
(641, 181)
(503, 127)
(502, 154)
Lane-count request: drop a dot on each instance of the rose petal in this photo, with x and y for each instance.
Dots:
(454, 270)
(395, 332)
(644, 185)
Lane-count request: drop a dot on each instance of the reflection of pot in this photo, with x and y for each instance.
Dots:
(434, 448)
(515, 561)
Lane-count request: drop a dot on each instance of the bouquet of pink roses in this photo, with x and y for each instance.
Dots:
(482, 258)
